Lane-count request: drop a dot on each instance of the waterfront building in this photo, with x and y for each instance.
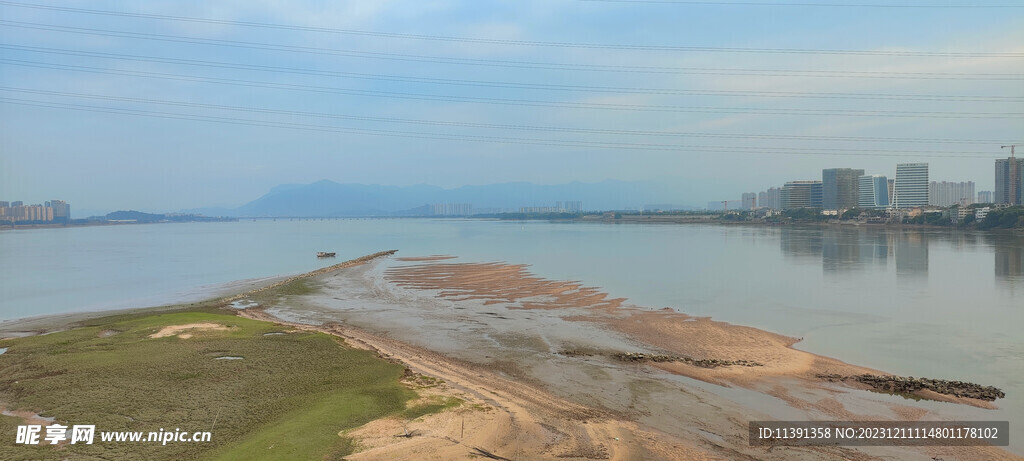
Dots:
(18, 211)
(749, 200)
(962, 212)
(770, 199)
(801, 194)
(911, 188)
(840, 188)
(61, 210)
(872, 191)
(451, 209)
(947, 194)
(1009, 181)
(984, 196)
(981, 213)
(572, 206)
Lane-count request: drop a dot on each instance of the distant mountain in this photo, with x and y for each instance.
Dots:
(327, 198)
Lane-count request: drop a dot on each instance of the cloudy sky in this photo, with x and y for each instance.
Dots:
(167, 105)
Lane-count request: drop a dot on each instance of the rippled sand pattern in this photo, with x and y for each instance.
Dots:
(500, 283)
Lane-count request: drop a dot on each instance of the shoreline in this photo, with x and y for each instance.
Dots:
(223, 294)
(531, 403)
(625, 219)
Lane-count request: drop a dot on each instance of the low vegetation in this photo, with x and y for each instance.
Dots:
(288, 397)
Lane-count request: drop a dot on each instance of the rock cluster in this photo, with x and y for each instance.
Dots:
(909, 384)
(641, 357)
(715, 363)
(575, 353)
(703, 363)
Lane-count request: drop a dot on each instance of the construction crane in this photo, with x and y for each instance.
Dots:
(1011, 146)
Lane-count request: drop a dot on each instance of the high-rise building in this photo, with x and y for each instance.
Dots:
(946, 194)
(801, 194)
(873, 191)
(839, 188)
(984, 196)
(572, 206)
(1009, 181)
(892, 189)
(749, 200)
(451, 209)
(770, 199)
(911, 190)
(61, 210)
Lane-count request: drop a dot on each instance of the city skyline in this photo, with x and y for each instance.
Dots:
(917, 187)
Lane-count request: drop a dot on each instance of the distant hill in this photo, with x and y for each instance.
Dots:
(327, 198)
(138, 216)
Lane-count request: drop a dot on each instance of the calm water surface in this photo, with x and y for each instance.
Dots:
(912, 302)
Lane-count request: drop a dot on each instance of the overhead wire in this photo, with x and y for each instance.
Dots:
(489, 139)
(548, 86)
(601, 46)
(542, 103)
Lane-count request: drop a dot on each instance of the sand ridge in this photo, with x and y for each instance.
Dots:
(672, 332)
(518, 418)
(499, 283)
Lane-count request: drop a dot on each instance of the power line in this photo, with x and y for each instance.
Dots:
(524, 102)
(605, 46)
(478, 125)
(489, 139)
(694, 70)
(541, 103)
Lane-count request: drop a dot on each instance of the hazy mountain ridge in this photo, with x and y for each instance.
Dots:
(327, 198)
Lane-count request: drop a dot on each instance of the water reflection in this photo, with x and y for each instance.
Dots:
(911, 250)
(843, 249)
(1009, 257)
(846, 249)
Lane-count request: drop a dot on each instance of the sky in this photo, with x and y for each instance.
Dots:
(163, 106)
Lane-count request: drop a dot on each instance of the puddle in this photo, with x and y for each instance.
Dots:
(230, 357)
(274, 333)
(2, 350)
(244, 304)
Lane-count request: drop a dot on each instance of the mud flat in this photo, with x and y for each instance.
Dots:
(566, 370)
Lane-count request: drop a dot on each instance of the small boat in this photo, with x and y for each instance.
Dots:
(324, 254)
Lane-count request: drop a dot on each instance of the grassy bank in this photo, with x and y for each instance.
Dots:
(288, 397)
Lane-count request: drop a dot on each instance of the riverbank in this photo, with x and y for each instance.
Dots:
(533, 359)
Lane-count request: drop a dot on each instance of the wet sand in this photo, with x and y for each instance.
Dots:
(530, 346)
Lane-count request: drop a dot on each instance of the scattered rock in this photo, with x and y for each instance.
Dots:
(910, 384)
(703, 363)
(575, 353)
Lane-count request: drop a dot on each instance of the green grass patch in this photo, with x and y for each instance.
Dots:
(436, 405)
(287, 399)
(297, 287)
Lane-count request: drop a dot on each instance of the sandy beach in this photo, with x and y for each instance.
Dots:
(553, 379)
